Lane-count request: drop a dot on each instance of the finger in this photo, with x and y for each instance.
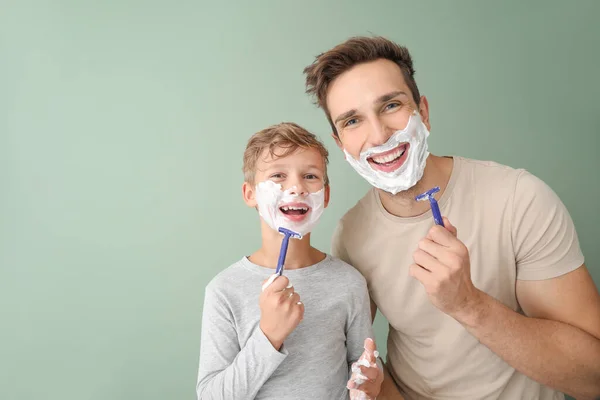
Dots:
(370, 372)
(278, 283)
(367, 387)
(300, 309)
(442, 236)
(451, 228)
(293, 298)
(370, 353)
(427, 261)
(432, 248)
(419, 273)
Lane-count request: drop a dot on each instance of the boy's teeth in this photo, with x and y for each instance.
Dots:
(287, 208)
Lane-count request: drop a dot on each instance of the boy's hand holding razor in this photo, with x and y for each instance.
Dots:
(280, 310)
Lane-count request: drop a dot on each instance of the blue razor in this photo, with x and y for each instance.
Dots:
(435, 209)
(287, 234)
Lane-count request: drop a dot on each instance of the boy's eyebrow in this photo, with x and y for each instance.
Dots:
(282, 165)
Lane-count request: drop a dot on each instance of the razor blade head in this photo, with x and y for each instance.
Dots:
(290, 233)
(428, 194)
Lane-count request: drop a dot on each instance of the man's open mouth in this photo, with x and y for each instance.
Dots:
(390, 160)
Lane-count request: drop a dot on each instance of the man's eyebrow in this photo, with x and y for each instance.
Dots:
(380, 99)
(345, 115)
(389, 96)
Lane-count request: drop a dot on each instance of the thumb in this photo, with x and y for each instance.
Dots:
(370, 353)
(449, 227)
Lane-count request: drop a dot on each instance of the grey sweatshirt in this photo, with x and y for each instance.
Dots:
(238, 362)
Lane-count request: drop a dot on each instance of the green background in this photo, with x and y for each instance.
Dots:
(122, 130)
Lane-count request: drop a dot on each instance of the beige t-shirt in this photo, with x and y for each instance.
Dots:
(514, 226)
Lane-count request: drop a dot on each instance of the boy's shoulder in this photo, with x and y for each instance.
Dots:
(228, 279)
(346, 272)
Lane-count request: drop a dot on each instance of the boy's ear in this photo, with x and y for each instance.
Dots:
(327, 194)
(249, 195)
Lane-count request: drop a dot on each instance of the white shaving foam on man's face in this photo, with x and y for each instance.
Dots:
(270, 197)
(410, 172)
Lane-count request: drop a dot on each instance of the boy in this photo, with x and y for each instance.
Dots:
(292, 336)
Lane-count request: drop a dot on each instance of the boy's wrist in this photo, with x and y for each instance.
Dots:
(275, 343)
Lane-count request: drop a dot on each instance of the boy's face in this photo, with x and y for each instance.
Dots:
(303, 170)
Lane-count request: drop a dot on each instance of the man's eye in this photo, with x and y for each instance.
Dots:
(276, 176)
(391, 106)
(351, 122)
(311, 176)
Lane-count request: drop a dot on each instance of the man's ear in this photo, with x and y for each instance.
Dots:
(249, 194)
(424, 111)
(327, 194)
(337, 140)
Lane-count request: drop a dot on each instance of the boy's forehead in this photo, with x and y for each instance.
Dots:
(282, 157)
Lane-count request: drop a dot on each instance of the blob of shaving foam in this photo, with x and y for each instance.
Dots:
(359, 378)
(268, 282)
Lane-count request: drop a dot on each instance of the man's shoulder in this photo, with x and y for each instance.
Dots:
(488, 168)
(491, 177)
(488, 178)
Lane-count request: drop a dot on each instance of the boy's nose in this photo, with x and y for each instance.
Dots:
(298, 190)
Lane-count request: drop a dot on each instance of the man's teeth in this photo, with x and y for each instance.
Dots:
(390, 157)
(287, 208)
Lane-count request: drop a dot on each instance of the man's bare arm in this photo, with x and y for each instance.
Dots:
(557, 343)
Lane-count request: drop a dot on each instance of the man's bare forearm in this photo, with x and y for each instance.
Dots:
(553, 353)
(389, 391)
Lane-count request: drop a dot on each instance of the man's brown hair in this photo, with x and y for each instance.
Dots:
(281, 140)
(356, 50)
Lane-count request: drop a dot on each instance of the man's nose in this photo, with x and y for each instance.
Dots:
(380, 133)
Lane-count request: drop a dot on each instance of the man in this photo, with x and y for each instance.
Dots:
(497, 302)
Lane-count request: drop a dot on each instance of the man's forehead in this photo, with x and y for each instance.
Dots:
(365, 84)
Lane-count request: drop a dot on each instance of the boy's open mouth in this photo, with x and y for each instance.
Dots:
(390, 160)
(292, 210)
(295, 212)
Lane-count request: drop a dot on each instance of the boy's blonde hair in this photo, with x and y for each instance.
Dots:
(281, 140)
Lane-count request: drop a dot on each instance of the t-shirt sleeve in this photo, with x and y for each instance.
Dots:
(227, 371)
(359, 323)
(543, 234)
(337, 243)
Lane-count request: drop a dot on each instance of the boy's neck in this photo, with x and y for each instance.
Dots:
(299, 254)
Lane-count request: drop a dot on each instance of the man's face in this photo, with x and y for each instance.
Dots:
(367, 104)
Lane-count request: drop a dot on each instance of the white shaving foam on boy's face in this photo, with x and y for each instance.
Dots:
(410, 172)
(270, 197)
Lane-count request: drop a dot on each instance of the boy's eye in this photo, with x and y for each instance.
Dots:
(276, 176)
(311, 176)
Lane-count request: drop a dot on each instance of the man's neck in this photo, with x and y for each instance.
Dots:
(437, 173)
(299, 254)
